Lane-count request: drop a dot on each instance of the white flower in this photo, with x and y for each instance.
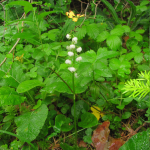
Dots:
(68, 61)
(70, 53)
(71, 69)
(72, 46)
(68, 48)
(79, 58)
(68, 36)
(79, 49)
(74, 40)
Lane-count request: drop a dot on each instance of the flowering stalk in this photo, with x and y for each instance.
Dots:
(71, 53)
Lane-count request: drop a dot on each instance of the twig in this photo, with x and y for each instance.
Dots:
(85, 14)
(96, 7)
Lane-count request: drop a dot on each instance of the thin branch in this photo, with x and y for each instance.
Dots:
(61, 79)
(85, 14)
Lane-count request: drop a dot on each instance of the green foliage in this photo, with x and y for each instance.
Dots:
(40, 99)
(29, 124)
(137, 142)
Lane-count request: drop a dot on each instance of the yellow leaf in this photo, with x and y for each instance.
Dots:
(96, 113)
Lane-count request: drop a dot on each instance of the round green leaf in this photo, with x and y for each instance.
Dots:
(114, 42)
(27, 85)
(30, 123)
(126, 115)
(136, 49)
(87, 120)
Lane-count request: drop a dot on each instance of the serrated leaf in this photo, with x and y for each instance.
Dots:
(8, 96)
(92, 30)
(139, 37)
(113, 42)
(126, 28)
(88, 120)
(118, 30)
(30, 123)
(102, 36)
(103, 53)
(27, 85)
(138, 58)
(80, 32)
(114, 64)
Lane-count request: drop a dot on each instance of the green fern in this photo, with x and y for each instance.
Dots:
(139, 86)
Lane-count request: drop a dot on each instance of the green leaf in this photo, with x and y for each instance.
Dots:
(65, 146)
(126, 28)
(52, 34)
(112, 10)
(114, 42)
(87, 120)
(30, 123)
(117, 119)
(80, 106)
(133, 11)
(81, 32)
(102, 36)
(114, 64)
(8, 96)
(87, 139)
(27, 85)
(138, 58)
(103, 53)
(136, 49)
(27, 6)
(139, 141)
(140, 31)
(128, 99)
(89, 56)
(120, 107)
(39, 102)
(118, 30)
(126, 115)
(62, 123)
(92, 30)
(138, 37)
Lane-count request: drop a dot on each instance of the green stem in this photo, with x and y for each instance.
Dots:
(74, 101)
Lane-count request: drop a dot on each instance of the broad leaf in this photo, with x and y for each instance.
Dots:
(139, 141)
(30, 123)
(102, 36)
(80, 32)
(114, 42)
(8, 96)
(87, 120)
(92, 30)
(27, 85)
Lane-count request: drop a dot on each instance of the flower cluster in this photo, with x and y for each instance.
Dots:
(71, 52)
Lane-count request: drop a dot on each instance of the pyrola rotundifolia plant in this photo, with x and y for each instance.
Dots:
(73, 51)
